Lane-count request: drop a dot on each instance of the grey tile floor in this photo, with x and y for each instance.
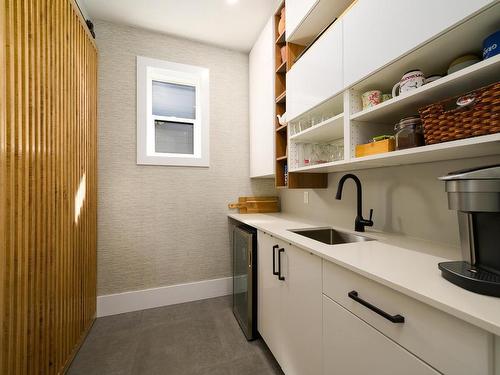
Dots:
(199, 337)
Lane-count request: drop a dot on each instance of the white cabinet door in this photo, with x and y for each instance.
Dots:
(378, 32)
(269, 297)
(301, 300)
(289, 310)
(296, 11)
(352, 347)
(261, 104)
(317, 75)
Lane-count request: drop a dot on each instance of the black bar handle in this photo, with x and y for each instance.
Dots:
(393, 318)
(274, 260)
(279, 264)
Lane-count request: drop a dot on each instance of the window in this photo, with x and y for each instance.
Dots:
(172, 113)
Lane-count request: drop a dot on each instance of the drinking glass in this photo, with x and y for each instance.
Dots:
(306, 154)
(314, 153)
(323, 153)
(305, 124)
(332, 152)
(340, 152)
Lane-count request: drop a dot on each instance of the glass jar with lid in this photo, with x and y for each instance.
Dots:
(409, 133)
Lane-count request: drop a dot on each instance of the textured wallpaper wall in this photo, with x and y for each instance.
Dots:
(167, 225)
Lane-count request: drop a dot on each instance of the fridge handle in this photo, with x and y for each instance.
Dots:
(274, 260)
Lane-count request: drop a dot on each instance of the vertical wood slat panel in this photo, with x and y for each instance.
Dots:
(48, 135)
(3, 187)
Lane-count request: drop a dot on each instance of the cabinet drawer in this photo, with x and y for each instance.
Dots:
(352, 347)
(450, 345)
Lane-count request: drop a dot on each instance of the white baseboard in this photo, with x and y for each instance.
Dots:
(119, 303)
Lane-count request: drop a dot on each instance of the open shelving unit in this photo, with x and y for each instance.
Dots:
(471, 147)
(458, 83)
(332, 128)
(284, 179)
(280, 96)
(361, 125)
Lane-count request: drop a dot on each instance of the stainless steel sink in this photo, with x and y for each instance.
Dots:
(330, 236)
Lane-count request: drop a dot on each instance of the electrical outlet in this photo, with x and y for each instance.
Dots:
(306, 197)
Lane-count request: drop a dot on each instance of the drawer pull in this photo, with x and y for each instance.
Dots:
(393, 318)
(280, 277)
(274, 260)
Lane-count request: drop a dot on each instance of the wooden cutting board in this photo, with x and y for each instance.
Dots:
(255, 205)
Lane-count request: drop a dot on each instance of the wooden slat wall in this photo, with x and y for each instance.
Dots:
(48, 120)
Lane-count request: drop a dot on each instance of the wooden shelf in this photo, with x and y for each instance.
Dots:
(281, 98)
(295, 181)
(460, 149)
(281, 128)
(282, 68)
(281, 38)
(462, 81)
(332, 128)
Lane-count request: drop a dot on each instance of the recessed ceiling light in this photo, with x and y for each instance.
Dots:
(232, 2)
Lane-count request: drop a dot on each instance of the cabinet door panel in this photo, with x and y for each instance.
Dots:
(317, 75)
(261, 104)
(301, 312)
(268, 286)
(377, 32)
(352, 347)
(296, 11)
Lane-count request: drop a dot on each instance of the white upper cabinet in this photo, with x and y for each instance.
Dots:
(317, 75)
(296, 11)
(261, 104)
(377, 32)
(305, 19)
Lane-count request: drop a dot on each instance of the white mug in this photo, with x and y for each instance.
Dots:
(410, 81)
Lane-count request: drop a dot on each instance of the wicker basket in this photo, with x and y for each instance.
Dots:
(479, 117)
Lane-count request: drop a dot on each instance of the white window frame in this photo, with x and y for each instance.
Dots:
(149, 70)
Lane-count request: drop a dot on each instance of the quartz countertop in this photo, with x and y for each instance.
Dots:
(404, 264)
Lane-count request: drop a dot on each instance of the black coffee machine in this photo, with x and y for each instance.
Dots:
(475, 194)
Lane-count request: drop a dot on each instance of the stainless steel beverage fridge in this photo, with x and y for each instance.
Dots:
(245, 279)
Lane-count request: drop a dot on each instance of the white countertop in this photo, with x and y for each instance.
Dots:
(401, 263)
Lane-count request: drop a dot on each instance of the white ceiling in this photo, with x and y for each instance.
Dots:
(234, 26)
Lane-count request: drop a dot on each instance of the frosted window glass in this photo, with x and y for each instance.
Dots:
(173, 137)
(170, 99)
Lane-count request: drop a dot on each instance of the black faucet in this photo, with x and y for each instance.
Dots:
(359, 223)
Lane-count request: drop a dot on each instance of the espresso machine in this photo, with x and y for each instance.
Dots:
(475, 194)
